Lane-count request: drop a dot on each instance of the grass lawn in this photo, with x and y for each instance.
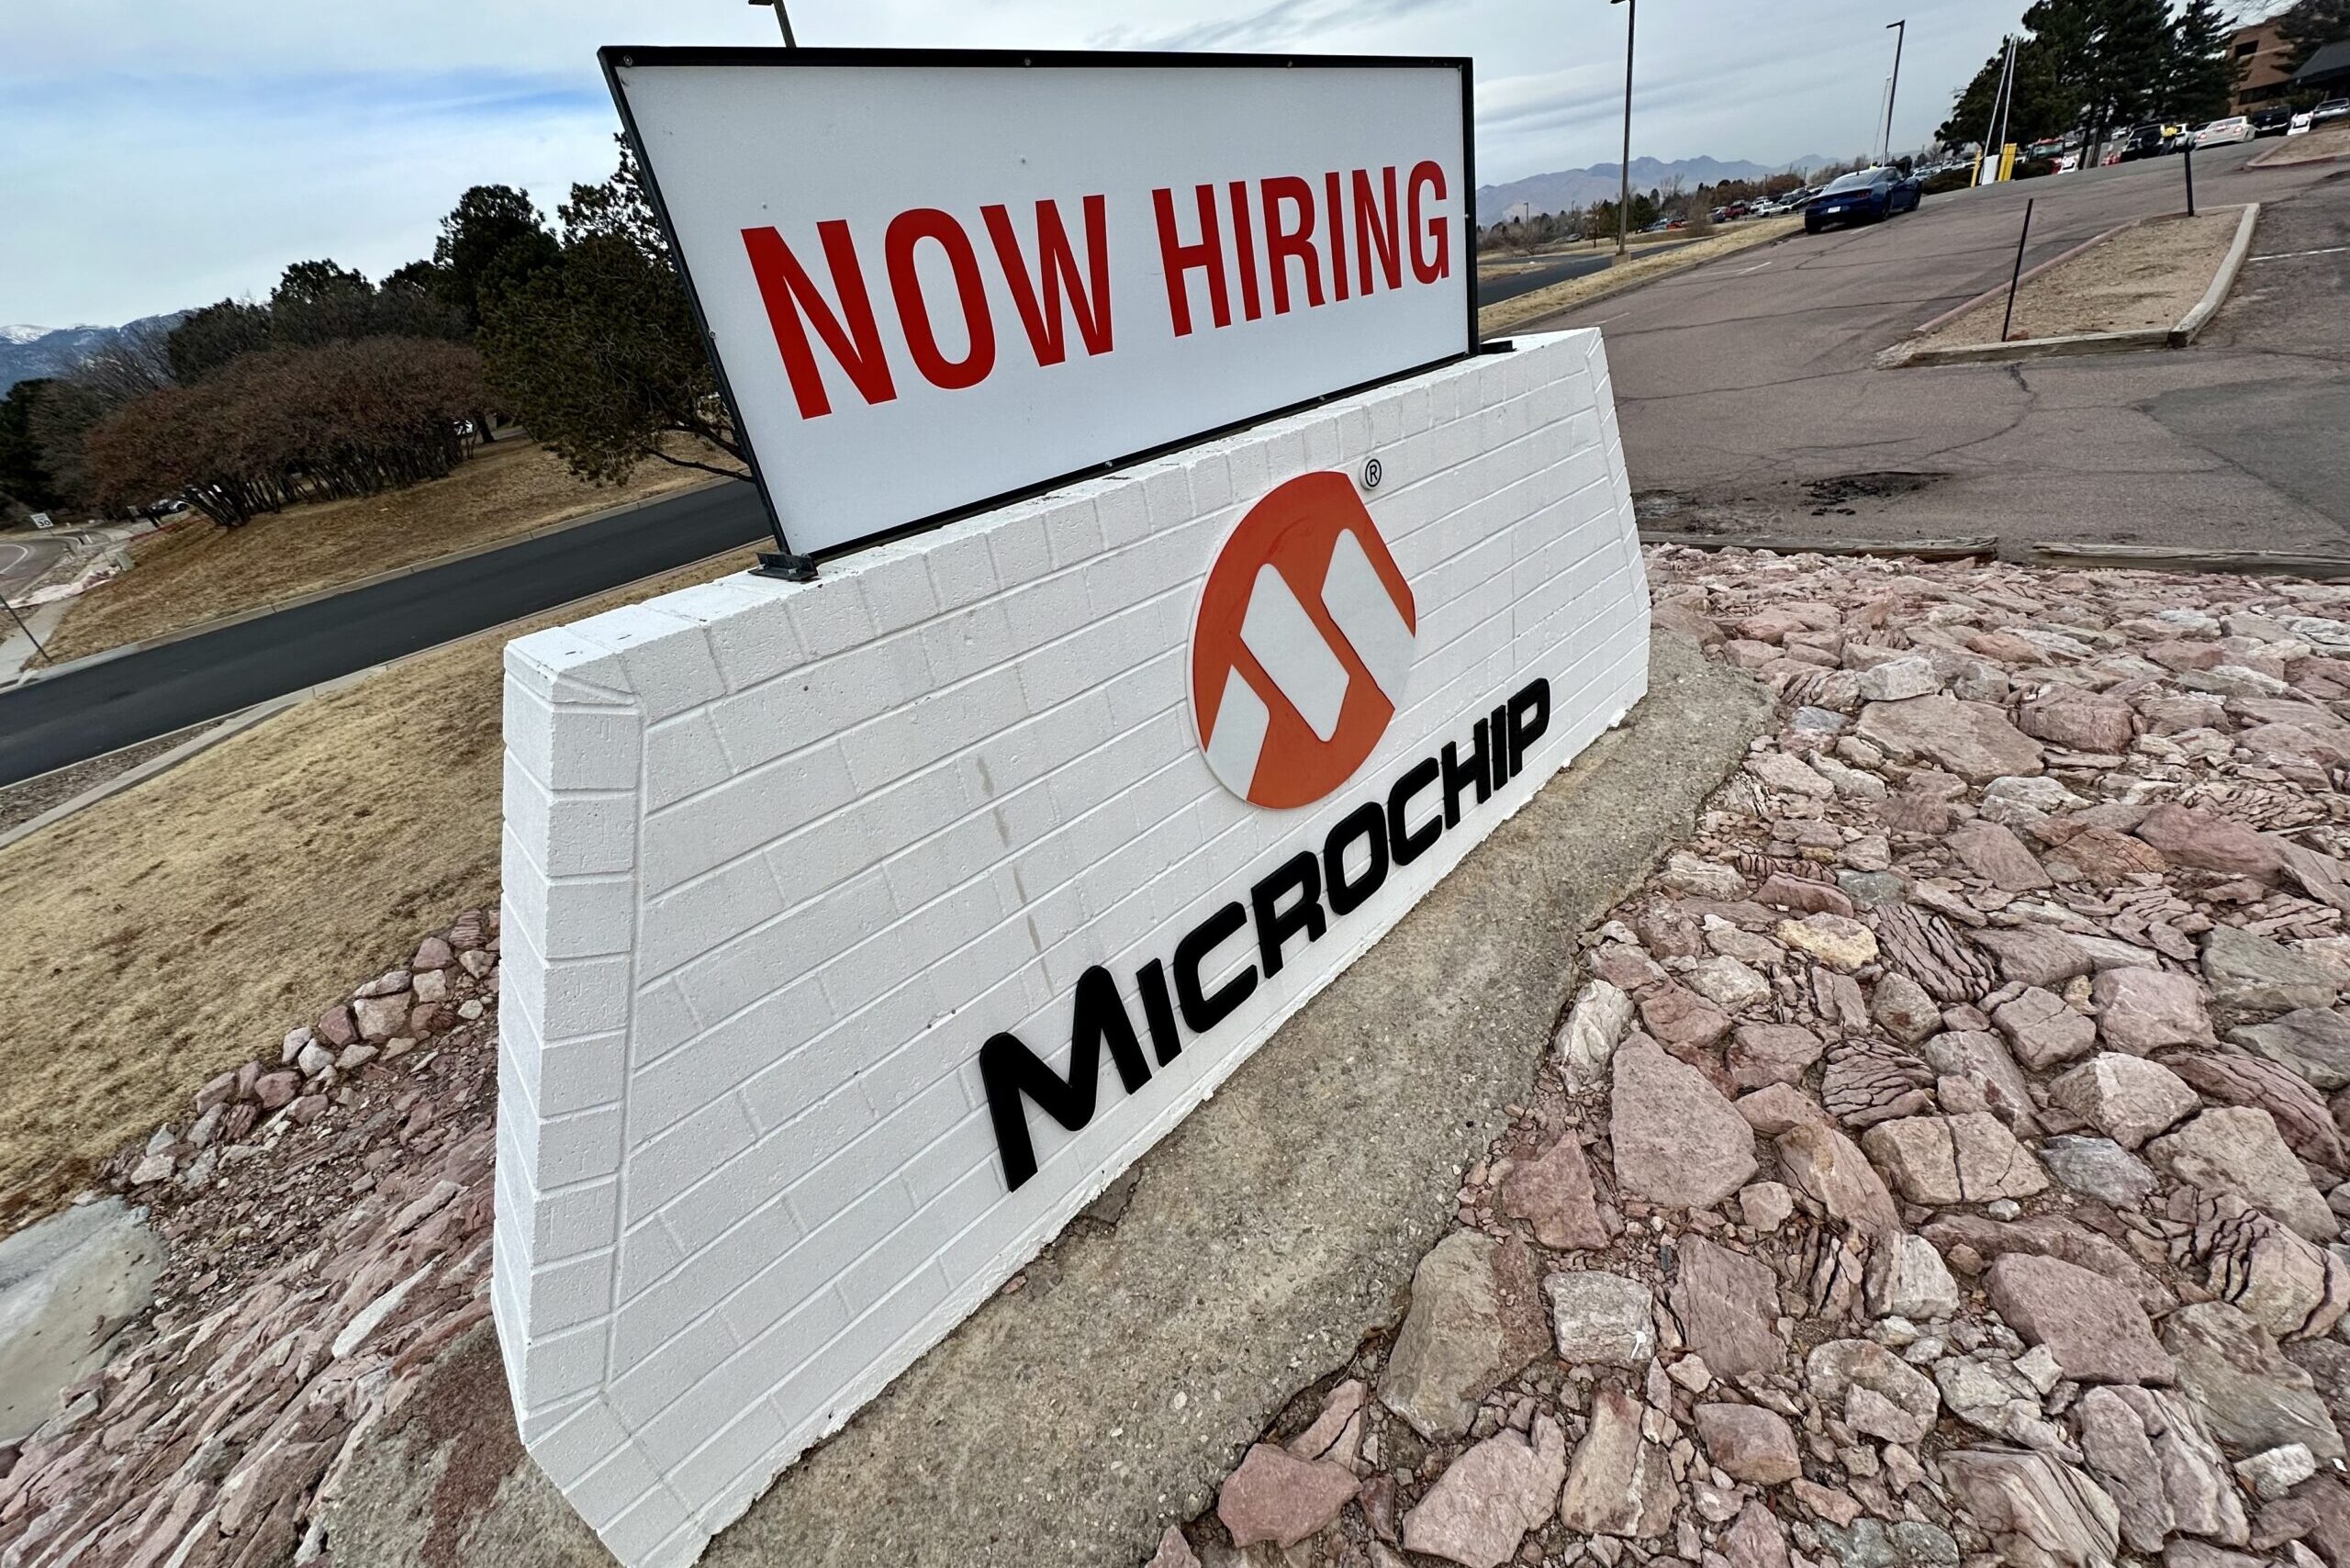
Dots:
(183, 926)
(200, 572)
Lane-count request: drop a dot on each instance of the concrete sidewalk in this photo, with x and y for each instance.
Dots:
(1069, 1423)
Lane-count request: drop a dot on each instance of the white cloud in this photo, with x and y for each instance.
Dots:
(163, 156)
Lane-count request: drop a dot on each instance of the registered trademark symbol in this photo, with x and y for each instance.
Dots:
(1371, 474)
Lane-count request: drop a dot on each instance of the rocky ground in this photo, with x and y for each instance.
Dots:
(1942, 1161)
(325, 1215)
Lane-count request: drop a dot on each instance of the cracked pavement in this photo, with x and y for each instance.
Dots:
(1752, 402)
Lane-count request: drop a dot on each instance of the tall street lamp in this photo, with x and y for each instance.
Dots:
(1900, 30)
(1623, 199)
(783, 20)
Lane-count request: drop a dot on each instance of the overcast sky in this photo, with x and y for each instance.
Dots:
(158, 156)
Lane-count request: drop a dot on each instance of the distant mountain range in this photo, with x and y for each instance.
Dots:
(29, 352)
(1563, 188)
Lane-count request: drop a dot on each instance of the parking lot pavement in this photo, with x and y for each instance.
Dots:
(1750, 400)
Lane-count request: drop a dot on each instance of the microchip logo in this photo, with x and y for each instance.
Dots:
(1303, 641)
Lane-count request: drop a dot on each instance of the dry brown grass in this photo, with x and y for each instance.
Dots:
(2147, 275)
(183, 926)
(1512, 314)
(198, 572)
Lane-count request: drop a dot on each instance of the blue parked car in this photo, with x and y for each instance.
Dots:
(1866, 196)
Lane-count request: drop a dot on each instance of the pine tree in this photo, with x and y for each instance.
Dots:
(2202, 75)
(2310, 24)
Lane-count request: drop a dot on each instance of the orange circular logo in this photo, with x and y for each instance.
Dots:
(1302, 642)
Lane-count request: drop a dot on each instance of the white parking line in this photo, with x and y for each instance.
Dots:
(2288, 255)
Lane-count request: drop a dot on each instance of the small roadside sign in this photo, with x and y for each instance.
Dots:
(42, 520)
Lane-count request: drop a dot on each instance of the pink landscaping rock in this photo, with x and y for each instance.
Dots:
(1831, 1170)
(380, 1017)
(2076, 719)
(336, 1026)
(1619, 1484)
(433, 953)
(2034, 955)
(1969, 1158)
(1749, 1443)
(1679, 1016)
(1973, 740)
(1764, 1053)
(1554, 1196)
(1276, 1496)
(2238, 1149)
(1998, 857)
(1482, 1506)
(1802, 895)
(2127, 1098)
(2140, 1011)
(2090, 1325)
(2042, 1031)
(1728, 1306)
(1677, 1142)
(2208, 843)
(273, 1090)
(1173, 1552)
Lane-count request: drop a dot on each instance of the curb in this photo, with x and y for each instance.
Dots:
(162, 762)
(2043, 348)
(2155, 559)
(1534, 324)
(2269, 160)
(2034, 553)
(1996, 290)
(2192, 324)
(2179, 335)
(1795, 544)
(373, 579)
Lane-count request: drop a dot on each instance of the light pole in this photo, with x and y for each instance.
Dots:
(783, 20)
(1900, 30)
(1624, 198)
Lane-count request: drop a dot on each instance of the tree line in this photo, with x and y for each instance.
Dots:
(335, 386)
(1672, 200)
(2097, 67)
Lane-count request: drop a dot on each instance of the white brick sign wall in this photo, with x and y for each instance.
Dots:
(782, 862)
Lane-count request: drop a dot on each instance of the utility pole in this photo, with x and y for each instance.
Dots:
(1900, 33)
(1624, 200)
(783, 20)
(1998, 95)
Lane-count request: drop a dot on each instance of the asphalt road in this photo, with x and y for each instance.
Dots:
(1494, 289)
(1751, 401)
(22, 560)
(97, 706)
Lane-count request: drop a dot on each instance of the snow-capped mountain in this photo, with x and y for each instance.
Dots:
(27, 351)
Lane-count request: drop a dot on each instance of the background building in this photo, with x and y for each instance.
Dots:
(2261, 57)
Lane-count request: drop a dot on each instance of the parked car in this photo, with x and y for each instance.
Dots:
(2221, 132)
(2331, 109)
(2271, 122)
(2301, 124)
(1869, 196)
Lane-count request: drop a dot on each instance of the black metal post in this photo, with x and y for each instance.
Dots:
(1624, 194)
(27, 631)
(1900, 31)
(2016, 276)
(2189, 156)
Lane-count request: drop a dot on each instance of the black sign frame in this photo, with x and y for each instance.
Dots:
(798, 566)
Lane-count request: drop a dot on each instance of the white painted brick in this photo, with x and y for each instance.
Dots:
(780, 859)
(683, 758)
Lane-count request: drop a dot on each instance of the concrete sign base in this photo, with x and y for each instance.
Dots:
(825, 902)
